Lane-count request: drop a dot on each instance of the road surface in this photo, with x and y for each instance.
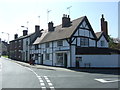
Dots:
(17, 76)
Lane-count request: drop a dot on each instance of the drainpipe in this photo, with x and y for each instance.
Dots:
(70, 57)
(52, 53)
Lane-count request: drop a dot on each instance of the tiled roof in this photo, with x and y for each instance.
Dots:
(60, 32)
(22, 37)
(98, 34)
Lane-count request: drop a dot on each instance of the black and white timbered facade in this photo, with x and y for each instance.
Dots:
(72, 44)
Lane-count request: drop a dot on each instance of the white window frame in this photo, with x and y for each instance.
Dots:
(84, 41)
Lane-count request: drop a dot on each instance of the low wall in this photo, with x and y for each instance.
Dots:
(101, 61)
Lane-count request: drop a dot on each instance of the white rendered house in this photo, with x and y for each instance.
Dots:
(68, 44)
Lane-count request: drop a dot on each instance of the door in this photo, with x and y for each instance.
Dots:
(41, 58)
(65, 60)
(77, 62)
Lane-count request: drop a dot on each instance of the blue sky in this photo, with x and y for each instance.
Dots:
(15, 13)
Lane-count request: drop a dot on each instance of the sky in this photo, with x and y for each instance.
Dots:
(17, 13)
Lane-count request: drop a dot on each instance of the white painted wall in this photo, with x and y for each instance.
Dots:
(91, 36)
(78, 41)
(26, 48)
(49, 50)
(83, 32)
(92, 43)
(102, 39)
(72, 58)
(100, 60)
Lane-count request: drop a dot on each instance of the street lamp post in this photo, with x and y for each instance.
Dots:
(24, 27)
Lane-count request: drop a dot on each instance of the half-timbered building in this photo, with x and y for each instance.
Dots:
(72, 44)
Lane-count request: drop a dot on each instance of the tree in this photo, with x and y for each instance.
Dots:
(114, 43)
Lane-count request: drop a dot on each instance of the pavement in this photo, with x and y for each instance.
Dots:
(22, 75)
(41, 66)
(88, 70)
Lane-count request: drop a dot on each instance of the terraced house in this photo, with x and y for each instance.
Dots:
(20, 46)
(75, 44)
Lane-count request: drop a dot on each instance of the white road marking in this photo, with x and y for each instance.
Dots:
(43, 88)
(39, 76)
(48, 80)
(50, 84)
(52, 88)
(45, 76)
(41, 80)
(106, 81)
(42, 84)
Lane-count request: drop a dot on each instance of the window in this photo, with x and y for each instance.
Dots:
(47, 45)
(15, 44)
(102, 43)
(84, 41)
(26, 43)
(59, 59)
(36, 56)
(19, 43)
(36, 47)
(60, 43)
(47, 56)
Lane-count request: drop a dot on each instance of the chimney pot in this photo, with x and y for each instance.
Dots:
(104, 26)
(25, 32)
(102, 16)
(66, 21)
(37, 28)
(15, 36)
(50, 26)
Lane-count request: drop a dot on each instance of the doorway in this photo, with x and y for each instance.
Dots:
(42, 59)
(77, 64)
(65, 60)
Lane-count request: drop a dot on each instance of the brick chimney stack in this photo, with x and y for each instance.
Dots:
(50, 26)
(37, 28)
(16, 36)
(104, 25)
(25, 32)
(66, 21)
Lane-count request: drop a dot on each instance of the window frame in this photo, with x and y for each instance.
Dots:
(60, 43)
(84, 41)
(47, 56)
(102, 43)
(47, 45)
